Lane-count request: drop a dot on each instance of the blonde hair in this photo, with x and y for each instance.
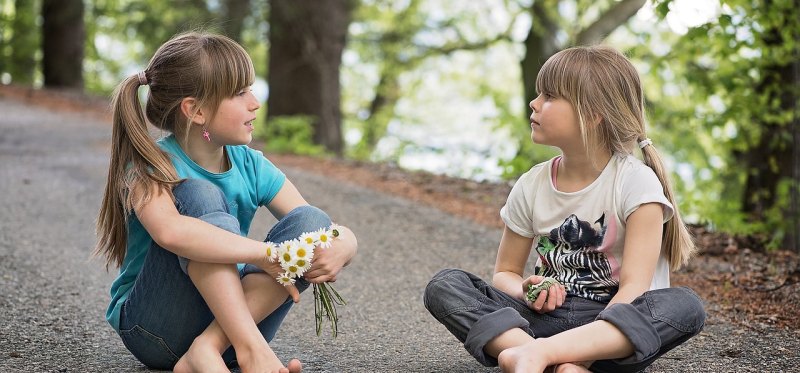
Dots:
(600, 82)
(206, 67)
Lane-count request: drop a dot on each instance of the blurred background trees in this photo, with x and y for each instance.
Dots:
(443, 85)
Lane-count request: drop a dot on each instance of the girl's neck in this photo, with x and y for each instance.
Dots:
(207, 155)
(577, 170)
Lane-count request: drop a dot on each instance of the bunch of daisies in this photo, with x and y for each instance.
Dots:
(295, 258)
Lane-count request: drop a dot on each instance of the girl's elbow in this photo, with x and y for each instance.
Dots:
(165, 238)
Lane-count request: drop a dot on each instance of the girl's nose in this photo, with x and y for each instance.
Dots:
(532, 105)
(254, 105)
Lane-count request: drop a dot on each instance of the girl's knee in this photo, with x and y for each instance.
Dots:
(680, 307)
(308, 218)
(694, 310)
(198, 197)
(445, 287)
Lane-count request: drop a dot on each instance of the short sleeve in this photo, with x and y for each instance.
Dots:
(640, 186)
(517, 213)
(269, 178)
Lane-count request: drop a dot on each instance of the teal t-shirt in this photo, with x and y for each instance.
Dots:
(252, 181)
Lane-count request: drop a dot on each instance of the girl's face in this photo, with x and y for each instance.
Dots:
(554, 123)
(233, 122)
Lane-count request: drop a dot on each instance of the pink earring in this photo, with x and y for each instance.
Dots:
(206, 135)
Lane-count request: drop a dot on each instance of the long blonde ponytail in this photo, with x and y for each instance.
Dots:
(136, 163)
(678, 242)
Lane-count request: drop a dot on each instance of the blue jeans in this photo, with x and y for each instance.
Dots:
(476, 312)
(164, 311)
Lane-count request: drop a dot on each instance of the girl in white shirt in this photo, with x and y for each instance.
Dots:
(606, 230)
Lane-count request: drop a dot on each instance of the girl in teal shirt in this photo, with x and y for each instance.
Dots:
(193, 292)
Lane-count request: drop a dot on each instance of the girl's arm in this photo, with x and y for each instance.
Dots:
(287, 199)
(193, 238)
(642, 249)
(510, 264)
(327, 262)
(509, 268)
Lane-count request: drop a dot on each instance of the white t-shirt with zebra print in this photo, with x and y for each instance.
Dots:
(579, 235)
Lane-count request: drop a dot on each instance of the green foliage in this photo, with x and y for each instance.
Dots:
(19, 47)
(721, 102)
(290, 134)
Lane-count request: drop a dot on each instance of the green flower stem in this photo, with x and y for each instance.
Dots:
(326, 298)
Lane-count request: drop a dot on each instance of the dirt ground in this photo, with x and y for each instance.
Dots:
(740, 281)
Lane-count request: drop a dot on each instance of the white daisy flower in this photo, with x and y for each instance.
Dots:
(307, 238)
(303, 251)
(285, 251)
(325, 237)
(272, 251)
(285, 280)
(293, 270)
(304, 264)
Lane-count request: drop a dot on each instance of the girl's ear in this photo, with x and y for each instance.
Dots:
(190, 110)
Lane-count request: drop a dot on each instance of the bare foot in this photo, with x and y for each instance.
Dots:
(261, 359)
(201, 358)
(526, 358)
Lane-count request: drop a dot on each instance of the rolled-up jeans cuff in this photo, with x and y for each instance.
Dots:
(636, 327)
(219, 219)
(488, 327)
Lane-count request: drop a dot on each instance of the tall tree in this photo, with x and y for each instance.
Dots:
(235, 12)
(746, 61)
(63, 38)
(544, 34)
(307, 38)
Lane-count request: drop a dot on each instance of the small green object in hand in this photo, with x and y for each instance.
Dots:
(534, 290)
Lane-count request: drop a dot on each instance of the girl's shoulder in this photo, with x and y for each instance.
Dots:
(540, 170)
(630, 168)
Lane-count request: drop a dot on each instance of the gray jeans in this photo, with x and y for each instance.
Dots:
(476, 312)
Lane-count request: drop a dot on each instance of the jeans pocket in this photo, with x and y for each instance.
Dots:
(680, 308)
(148, 348)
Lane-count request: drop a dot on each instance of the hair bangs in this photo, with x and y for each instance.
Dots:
(230, 68)
(560, 76)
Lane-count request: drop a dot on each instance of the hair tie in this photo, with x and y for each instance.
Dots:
(644, 143)
(142, 78)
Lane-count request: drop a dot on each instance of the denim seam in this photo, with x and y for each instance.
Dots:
(137, 329)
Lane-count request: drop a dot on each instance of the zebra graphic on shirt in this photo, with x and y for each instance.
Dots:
(572, 254)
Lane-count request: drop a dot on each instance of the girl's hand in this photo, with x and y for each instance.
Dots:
(548, 300)
(328, 262)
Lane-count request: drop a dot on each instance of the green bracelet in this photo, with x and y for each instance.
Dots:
(534, 290)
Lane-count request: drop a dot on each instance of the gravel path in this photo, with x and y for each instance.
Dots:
(53, 297)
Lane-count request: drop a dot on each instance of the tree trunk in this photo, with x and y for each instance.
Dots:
(235, 13)
(776, 158)
(539, 46)
(63, 37)
(307, 38)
